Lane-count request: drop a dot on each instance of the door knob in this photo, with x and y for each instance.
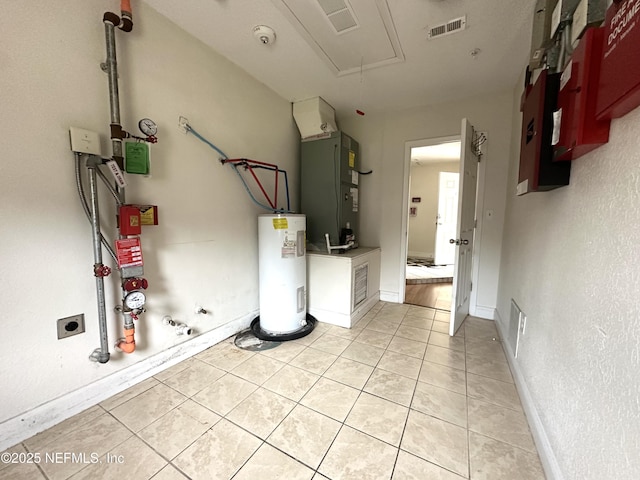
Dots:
(464, 242)
(453, 240)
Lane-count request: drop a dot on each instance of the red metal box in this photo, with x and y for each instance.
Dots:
(619, 91)
(576, 130)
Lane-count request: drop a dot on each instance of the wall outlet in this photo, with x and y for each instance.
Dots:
(84, 141)
(70, 326)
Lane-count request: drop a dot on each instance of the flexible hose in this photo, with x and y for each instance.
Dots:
(85, 207)
(190, 129)
(112, 190)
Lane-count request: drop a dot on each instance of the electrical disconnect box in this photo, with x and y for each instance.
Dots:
(620, 76)
(329, 187)
(540, 36)
(538, 171)
(576, 129)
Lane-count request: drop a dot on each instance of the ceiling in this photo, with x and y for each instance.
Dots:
(441, 152)
(385, 63)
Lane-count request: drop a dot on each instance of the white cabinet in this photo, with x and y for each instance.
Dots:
(341, 288)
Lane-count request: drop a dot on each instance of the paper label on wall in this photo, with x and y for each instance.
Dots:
(354, 198)
(289, 244)
(117, 173)
(280, 224)
(354, 177)
(352, 159)
(129, 252)
(557, 121)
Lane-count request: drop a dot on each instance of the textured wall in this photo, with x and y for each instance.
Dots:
(205, 248)
(571, 260)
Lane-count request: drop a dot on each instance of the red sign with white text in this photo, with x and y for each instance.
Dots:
(129, 252)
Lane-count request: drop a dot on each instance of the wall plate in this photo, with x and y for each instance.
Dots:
(70, 326)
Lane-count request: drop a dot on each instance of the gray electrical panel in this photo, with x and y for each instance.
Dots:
(329, 187)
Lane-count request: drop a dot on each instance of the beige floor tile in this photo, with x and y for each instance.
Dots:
(383, 327)
(363, 353)
(493, 391)
(391, 386)
(501, 424)
(285, 352)
(423, 312)
(437, 441)
(291, 382)
(349, 372)
(447, 341)
(410, 467)
(379, 418)
(225, 394)
(442, 316)
(129, 393)
(63, 428)
(373, 338)
(355, 455)
(314, 361)
(131, 459)
(318, 331)
(488, 349)
(399, 308)
(389, 317)
(441, 327)
(318, 476)
(306, 435)
(331, 398)
(95, 437)
(194, 378)
(21, 471)
(441, 403)
(219, 453)
(169, 473)
(445, 356)
(444, 377)
(177, 368)
(400, 364)
(261, 412)
(14, 458)
(175, 431)
(407, 347)
(258, 369)
(331, 344)
(225, 355)
(271, 464)
(476, 329)
(148, 407)
(348, 333)
(412, 333)
(494, 460)
(488, 367)
(417, 322)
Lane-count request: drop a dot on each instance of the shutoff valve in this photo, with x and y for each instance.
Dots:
(132, 284)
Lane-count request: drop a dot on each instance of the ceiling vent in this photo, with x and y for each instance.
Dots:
(447, 28)
(340, 15)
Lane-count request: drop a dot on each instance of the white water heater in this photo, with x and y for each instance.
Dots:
(283, 272)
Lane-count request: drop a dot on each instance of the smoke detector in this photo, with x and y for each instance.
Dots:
(265, 35)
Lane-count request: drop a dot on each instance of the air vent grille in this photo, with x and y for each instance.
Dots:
(447, 28)
(340, 15)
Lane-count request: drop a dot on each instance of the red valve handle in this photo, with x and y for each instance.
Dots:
(100, 270)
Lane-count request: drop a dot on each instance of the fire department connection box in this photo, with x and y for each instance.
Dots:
(130, 224)
(576, 130)
(538, 171)
(620, 76)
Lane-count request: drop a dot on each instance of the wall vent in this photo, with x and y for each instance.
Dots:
(447, 28)
(360, 284)
(340, 15)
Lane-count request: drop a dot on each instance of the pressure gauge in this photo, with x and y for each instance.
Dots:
(135, 300)
(148, 127)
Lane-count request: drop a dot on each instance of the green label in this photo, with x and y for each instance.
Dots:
(137, 158)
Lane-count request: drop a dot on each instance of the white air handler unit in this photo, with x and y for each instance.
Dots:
(283, 278)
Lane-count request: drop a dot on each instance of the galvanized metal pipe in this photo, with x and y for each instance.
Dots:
(103, 355)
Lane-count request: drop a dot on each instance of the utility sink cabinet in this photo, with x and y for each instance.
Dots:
(343, 287)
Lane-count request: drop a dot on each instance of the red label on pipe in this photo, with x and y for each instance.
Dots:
(129, 252)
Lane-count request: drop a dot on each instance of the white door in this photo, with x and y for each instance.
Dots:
(463, 240)
(447, 218)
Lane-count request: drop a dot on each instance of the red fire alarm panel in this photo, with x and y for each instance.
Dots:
(620, 77)
(130, 223)
(538, 171)
(576, 130)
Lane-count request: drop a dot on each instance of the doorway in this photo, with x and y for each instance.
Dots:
(432, 215)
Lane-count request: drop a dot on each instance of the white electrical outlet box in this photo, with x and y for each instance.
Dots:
(84, 141)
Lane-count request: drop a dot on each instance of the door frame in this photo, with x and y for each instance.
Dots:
(404, 232)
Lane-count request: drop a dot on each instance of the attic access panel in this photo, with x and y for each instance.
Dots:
(349, 35)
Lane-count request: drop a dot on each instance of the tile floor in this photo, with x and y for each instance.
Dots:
(394, 398)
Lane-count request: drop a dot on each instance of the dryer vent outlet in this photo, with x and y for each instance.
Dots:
(70, 326)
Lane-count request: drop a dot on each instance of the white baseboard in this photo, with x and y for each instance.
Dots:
(546, 453)
(392, 297)
(34, 421)
(345, 320)
(488, 313)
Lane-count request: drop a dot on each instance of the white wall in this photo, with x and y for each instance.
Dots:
(425, 183)
(382, 139)
(204, 250)
(570, 260)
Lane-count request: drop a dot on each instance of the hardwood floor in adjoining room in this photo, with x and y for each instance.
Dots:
(434, 295)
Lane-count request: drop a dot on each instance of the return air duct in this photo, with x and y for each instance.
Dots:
(314, 117)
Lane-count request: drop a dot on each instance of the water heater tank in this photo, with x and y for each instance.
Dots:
(283, 272)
